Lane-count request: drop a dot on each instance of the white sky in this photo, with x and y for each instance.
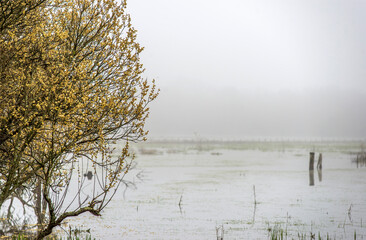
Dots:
(251, 68)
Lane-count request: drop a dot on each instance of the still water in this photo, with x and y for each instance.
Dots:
(243, 191)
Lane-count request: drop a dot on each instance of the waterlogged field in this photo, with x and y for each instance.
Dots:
(238, 190)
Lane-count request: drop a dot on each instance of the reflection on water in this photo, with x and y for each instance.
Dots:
(311, 177)
(320, 174)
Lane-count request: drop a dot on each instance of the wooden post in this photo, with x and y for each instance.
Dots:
(320, 162)
(311, 169)
(311, 162)
(89, 175)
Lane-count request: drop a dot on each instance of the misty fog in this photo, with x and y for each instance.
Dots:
(263, 68)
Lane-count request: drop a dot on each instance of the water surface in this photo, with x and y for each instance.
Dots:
(188, 190)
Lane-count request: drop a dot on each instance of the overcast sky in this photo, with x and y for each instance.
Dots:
(255, 68)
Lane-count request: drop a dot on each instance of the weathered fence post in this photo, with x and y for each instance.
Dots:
(89, 175)
(319, 167)
(311, 169)
(311, 162)
(320, 162)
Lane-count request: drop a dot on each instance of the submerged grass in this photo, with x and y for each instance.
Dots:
(23, 237)
(278, 233)
(73, 234)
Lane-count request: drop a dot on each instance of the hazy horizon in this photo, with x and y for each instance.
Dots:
(249, 69)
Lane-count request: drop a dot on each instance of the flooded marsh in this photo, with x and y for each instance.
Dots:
(243, 190)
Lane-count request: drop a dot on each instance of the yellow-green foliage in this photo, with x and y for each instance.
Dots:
(70, 83)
